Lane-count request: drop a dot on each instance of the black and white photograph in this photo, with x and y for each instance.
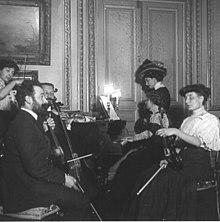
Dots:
(109, 110)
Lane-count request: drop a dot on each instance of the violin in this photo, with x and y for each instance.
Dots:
(169, 145)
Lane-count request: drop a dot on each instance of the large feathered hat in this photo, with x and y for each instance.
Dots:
(151, 69)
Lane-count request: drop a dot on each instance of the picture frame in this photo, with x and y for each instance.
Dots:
(26, 75)
(25, 31)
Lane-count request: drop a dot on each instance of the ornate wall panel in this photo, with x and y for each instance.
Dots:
(162, 29)
(189, 41)
(119, 46)
(213, 74)
(120, 55)
(198, 41)
(91, 55)
(136, 30)
(67, 55)
(80, 53)
(116, 52)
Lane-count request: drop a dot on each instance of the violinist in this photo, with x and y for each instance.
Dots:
(27, 170)
(7, 69)
(168, 196)
(7, 94)
(49, 94)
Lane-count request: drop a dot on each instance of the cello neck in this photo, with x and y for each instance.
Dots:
(58, 151)
(63, 125)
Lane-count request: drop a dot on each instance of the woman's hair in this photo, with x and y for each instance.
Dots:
(49, 84)
(25, 89)
(9, 64)
(155, 98)
(199, 89)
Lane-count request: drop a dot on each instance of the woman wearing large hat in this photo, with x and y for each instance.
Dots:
(150, 75)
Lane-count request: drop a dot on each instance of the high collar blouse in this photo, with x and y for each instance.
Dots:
(204, 126)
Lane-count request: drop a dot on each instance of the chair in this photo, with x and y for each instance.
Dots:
(213, 182)
(39, 213)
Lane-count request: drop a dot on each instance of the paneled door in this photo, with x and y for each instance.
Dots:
(128, 32)
(117, 53)
(162, 39)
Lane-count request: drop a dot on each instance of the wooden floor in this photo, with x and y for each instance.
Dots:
(206, 208)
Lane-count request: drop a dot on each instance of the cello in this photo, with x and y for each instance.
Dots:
(74, 165)
(56, 149)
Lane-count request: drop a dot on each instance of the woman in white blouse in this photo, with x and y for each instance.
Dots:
(170, 193)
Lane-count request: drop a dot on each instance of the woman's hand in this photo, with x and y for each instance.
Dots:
(12, 95)
(18, 82)
(130, 139)
(163, 163)
(71, 182)
(167, 132)
(126, 140)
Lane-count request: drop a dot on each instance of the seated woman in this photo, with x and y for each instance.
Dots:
(138, 159)
(169, 195)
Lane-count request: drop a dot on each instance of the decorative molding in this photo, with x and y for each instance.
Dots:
(189, 39)
(80, 53)
(212, 79)
(209, 25)
(210, 63)
(67, 54)
(91, 54)
(198, 40)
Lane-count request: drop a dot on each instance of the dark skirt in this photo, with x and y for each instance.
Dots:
(170, 194)
(129, 170)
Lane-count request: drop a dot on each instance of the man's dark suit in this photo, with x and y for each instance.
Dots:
(29, 178)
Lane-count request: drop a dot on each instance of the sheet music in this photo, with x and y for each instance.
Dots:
(112, 115)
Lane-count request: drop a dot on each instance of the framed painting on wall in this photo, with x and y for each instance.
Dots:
(26, 75)
(25, 34)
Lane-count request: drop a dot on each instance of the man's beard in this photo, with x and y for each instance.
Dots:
(40, 110)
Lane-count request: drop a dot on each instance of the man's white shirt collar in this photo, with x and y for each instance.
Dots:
(31, 112)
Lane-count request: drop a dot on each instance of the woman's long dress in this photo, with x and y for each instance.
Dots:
(170, 193)
(135, 163)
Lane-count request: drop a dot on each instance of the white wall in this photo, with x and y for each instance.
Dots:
(55, 72)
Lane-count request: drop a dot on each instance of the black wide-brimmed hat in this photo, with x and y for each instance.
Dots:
(151, 69)
(197, 88)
